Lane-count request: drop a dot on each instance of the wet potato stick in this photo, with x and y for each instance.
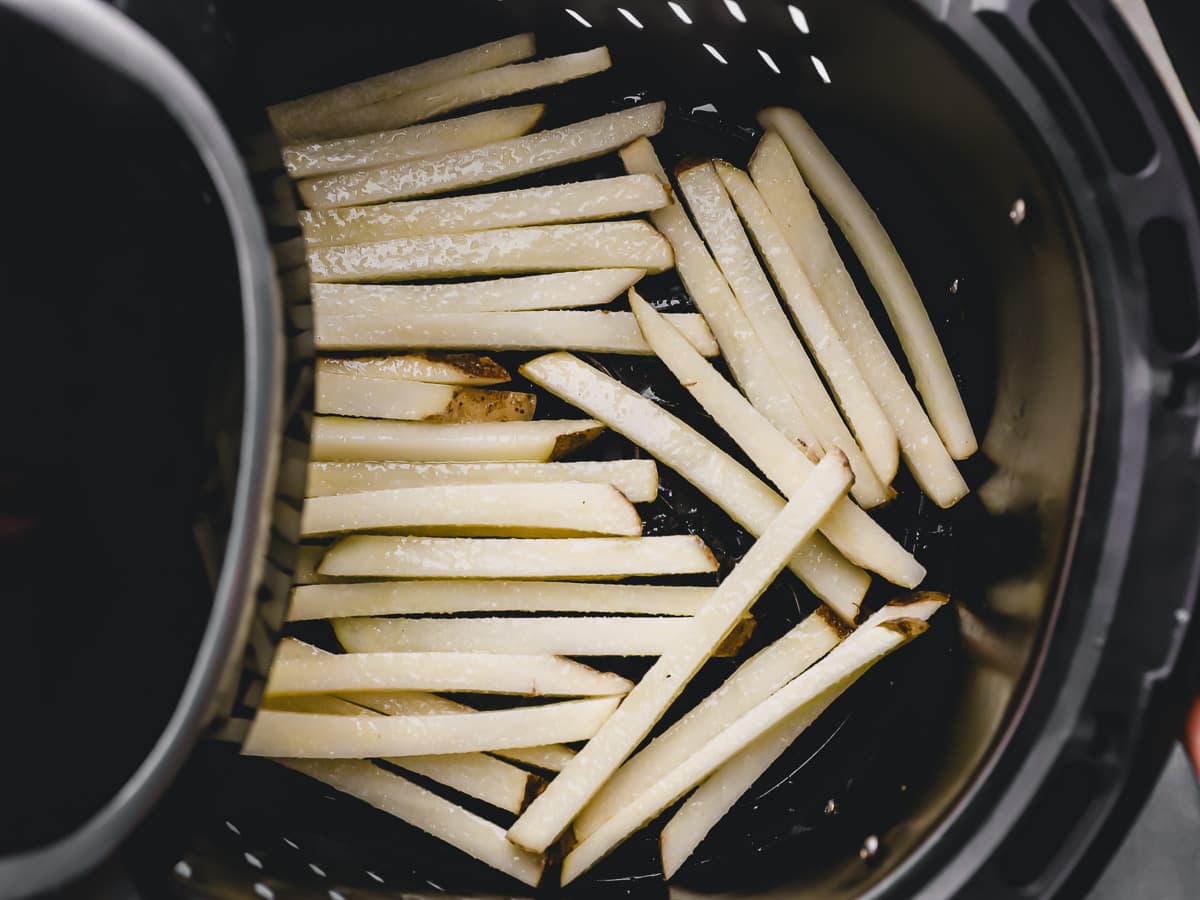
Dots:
(740, 346)
(553, 811)
(849, 528)
(887, 272)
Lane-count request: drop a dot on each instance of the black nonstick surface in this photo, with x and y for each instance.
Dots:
(882, 750)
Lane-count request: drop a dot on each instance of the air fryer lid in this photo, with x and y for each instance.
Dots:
(1005, 209)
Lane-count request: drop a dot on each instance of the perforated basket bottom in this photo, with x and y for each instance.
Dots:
(266, 831)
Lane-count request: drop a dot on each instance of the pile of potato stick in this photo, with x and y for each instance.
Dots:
(459, 544)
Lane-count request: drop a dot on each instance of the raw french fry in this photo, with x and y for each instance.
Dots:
(552, 812)
(335, 438)
(718, 222)
(394, 794)
(500, 251)
(581, 201)
(845, 662)
(489, 164)
(746, 500)
(478, 87)
(412, 598)
(314, 113)
(740, 345)
(551, 757)
(403, 557)
(714, 798)
(862, 540)
(477, 775)
(583, 330)
(388, 398)
(478, 673)
(305, 159)
(637, 479)
(315, 736)
(437, 368)
(524, 510)
(558, 290)
(754, 681)
(775, 173)
(886, 270)
(861, 409)
(554, 635)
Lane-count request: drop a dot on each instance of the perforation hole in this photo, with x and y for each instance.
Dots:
(769, 60)
(680, 12)
(821, 70)
(735, 10)
(630, 18)
(578, 17)
(716, 54)
(798, 18)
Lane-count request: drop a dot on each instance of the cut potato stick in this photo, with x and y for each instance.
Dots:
(775, 173)
(754, 681)
(850, 658)
(549, 815)
(336, 438)
(500, 251)
(315, 736)
(553, 635)
(858, 404)
(478, 87)
(558, 290)
(637, 479)
(477, 775)
(447, 821)
(740, 346)
(718, 222)
(307, 560)
(714, 798)
(551, 757)
(883, 265)
(478, 673)
(565, 509)
(746, 499)
(437, 368)
(403, 557)
(582, 201)
(862, 540)
(388, 398)
(306, 159)
(411, 598)
(582, 330)
(314, 113)
(489, 164)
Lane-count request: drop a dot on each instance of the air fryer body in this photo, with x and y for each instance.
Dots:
(1054, 240)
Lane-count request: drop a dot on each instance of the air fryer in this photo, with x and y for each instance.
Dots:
(1039, 185)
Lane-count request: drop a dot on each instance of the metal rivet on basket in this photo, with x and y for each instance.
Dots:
(1016, 215)
(870, 847)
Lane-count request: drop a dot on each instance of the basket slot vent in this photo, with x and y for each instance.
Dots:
(1100, 87)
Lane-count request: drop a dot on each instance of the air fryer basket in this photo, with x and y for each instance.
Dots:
(1049, 235)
